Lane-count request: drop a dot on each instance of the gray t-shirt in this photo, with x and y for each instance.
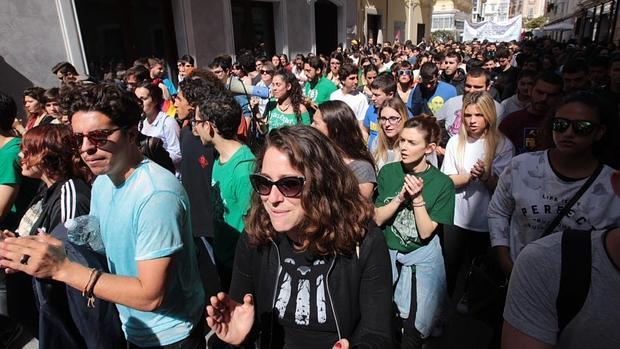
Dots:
(534, 286)
(363, 171)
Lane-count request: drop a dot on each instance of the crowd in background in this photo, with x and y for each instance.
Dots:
(344, 200)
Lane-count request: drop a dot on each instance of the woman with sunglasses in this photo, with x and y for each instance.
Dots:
(535, 187)
(309, 272)
(336, 120)
(413, 198)
(405, 80)
(392, 117)
(473, 160)
(266, 79)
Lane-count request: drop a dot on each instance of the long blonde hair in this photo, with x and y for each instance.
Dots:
(491, 136)
(383, 143)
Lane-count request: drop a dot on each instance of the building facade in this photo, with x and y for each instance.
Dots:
(95, 35)
(528, 8)
(447, 17)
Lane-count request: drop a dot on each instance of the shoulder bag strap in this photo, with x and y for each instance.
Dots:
(575, 276)
(572, 201)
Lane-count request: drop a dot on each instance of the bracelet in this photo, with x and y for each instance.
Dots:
(90, 277)
(422, 204)
(89, 294)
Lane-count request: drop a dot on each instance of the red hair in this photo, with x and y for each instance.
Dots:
(57, 149)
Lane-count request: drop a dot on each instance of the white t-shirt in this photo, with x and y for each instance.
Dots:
(534, 288)
(451, 112)
(166, 129)
(473, 199)
(512, 104)
(262, 103)
(529, 195)
(356, 100)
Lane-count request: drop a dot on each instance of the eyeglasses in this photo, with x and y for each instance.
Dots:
(404, 72)
(270, 72)
(290, 186)
(98, 138)
(390, 120)
(195, 122)
(580, 127)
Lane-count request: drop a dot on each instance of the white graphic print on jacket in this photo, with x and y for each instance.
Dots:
(302, 289)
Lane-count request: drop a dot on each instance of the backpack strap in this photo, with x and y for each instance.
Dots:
(575, 276)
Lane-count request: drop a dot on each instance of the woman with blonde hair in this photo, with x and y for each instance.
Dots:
(392, 118)
(474, 159)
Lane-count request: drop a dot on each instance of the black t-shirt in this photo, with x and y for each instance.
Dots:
(302, 306)
(196, 166)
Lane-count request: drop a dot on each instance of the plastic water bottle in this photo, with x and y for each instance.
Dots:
(84, 230)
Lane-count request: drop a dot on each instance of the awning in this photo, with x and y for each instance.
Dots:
(566, 24)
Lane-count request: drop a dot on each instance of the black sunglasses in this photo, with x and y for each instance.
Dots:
(98, 138)
(290, 186)
(580, 127)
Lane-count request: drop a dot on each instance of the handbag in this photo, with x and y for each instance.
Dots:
(486, 284)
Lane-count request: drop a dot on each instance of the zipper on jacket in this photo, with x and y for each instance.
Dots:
(275, 293)
(329, 294)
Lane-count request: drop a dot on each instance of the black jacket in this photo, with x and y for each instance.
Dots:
(360, 290)
(62, 201)
(457, 80)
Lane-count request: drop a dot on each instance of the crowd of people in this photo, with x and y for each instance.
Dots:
(331, 201)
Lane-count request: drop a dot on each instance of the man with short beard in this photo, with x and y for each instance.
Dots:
(525, 128)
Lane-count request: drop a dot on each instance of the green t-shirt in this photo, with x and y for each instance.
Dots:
(231, 193)
(278, 119)
(10, 174)
(400, 231)
(321, 91)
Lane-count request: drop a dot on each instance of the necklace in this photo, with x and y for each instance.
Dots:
(284, 108)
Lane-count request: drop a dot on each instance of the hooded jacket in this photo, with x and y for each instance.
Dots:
(359, 288)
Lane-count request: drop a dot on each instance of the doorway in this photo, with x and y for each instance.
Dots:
(326, 26)
(421, 29)
(373, 25)
(116, 32)
(253, 27)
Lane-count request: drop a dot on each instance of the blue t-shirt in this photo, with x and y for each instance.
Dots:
(418, 104)
(147, 217)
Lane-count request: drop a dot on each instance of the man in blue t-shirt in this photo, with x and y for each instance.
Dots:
(430, 94)
(145, 227)
(383, 88)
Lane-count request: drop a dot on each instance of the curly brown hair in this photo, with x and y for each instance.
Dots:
(57, 151)
(336, 213)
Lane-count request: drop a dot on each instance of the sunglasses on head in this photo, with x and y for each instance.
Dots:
(98, 138)
(580, 127)
(290, 186)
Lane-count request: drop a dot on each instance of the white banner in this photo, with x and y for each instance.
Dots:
(492, 31)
